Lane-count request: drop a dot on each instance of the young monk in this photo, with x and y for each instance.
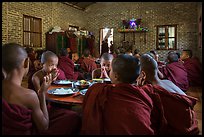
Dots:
(50, 62)
(156, 57)
(67, 66)
(104, 71)
(23, 111)
(175, 72)
(177, 106)
(87, 64)
(193, 68)
(119, 108)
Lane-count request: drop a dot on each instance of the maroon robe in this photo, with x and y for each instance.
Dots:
(61, 75)
(116, 109)
(178, 111)
(194, 71)
(88, 65)
(91, 42)
(17, 120)
(67, 66)
(73, 44)
(176, 73)
(160, 63)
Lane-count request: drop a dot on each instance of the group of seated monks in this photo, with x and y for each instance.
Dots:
(141, 99)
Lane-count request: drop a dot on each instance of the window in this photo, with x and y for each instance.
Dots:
(32, 31)
(166, 37)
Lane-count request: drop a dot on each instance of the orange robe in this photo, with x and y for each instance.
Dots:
(178, 111)
(117, 109)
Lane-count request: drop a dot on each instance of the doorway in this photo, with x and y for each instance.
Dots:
(106, 33)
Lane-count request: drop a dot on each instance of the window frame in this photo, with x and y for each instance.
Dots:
(32, 31)
(166, 37)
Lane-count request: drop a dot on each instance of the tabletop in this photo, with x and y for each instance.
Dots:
(73, 99)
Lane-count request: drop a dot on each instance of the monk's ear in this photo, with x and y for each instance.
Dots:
(116, 77)
(143, 74)
(26, 63)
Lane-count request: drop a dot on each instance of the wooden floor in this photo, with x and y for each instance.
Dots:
(193, 91)
(197, 92)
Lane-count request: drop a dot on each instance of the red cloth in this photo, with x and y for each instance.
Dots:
(194, 71)
(160, 63)
(178, 111)
(67, 66)
(62, 122)
(88, 65)
(73, 44)
(91, 42)
(119, 109)
(61, 75)
(176, 73)
(17, 120)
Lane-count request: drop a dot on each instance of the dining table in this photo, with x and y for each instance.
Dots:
(70, 100)
(73, 99)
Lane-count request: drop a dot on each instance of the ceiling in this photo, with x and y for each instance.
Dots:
(79, 5)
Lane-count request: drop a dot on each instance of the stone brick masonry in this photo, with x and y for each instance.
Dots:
(108, 14)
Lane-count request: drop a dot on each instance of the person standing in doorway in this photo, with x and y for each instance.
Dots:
(111, 47)
(104, 47)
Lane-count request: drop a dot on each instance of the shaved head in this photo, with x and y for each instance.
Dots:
(127, 67)
(47, 55)
(148, 64)
(107, 56)
(172, 57)
(12, 56)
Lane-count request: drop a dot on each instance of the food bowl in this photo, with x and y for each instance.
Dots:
(82, 84)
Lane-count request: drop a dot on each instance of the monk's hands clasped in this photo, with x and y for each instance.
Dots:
(104, 73)
(55, 74)
(47, 80)
(140, 80)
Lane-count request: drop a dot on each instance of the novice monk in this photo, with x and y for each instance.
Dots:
(23, 111)
(193, 68)
(119, 108)
(177, 106)
(87, 64)
(104, 71)
(156, 57)
(50, 62)
(175, 72)
(67, 66)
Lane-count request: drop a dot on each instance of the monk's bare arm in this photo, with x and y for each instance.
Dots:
(39, 111)
(40, 107)
(36, 83)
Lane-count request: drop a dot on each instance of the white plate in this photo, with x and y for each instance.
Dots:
(63, 91)
(62, 82)
(83, 92)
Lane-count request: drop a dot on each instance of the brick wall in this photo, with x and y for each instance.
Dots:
(51, 13)
(110, 14)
